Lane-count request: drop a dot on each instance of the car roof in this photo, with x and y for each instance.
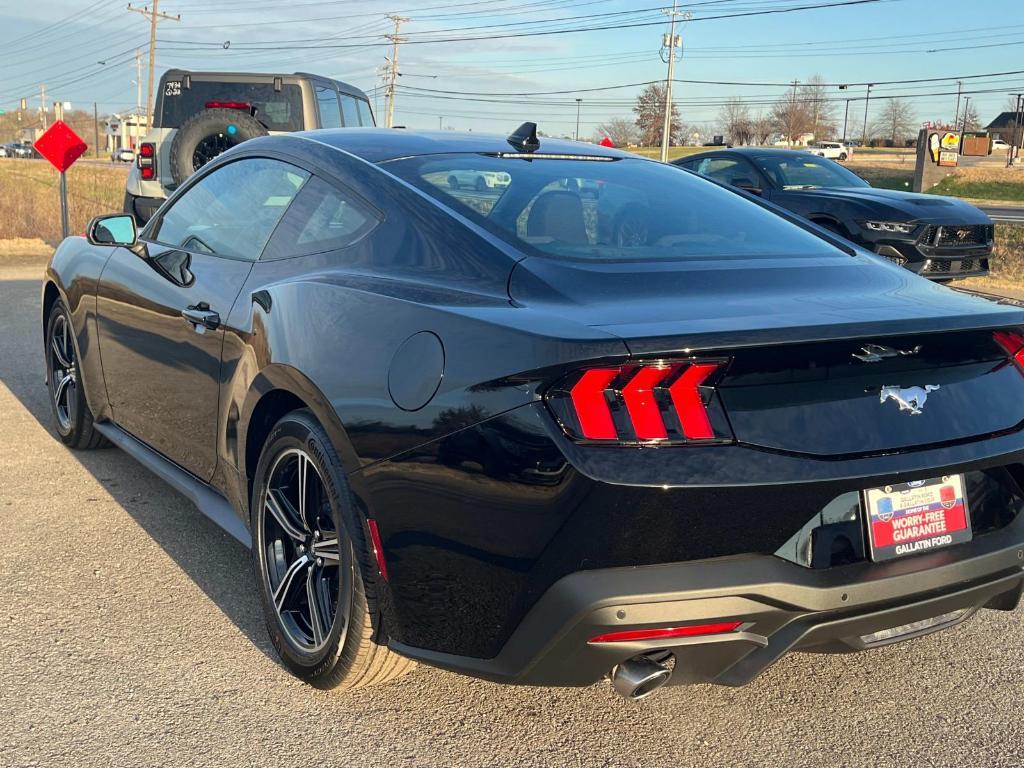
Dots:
(379, 144)
(749, 151)
(237, 76)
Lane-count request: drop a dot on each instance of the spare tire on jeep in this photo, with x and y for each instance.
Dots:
(207, 134)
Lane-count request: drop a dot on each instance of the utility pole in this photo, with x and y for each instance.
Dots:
(956, 116)
(138, 81)
(669, 41)
(96, 129)
(578, 102)
(154, 17)
(967, 108)
(1017, 136)
(42, 103)
(864, 136)
(396, 40)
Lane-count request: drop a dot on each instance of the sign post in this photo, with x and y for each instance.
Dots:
(61, 146)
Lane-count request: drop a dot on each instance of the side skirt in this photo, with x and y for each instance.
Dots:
(209, 502)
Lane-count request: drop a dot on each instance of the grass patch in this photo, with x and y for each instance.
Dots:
(30, 197)
(673, 152)
(1008, 256)
(983, 184)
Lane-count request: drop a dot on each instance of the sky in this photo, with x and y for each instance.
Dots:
(484, 66)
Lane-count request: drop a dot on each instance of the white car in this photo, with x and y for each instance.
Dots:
(478, 180)
(123, 155)
(833, 150)
(998, 145)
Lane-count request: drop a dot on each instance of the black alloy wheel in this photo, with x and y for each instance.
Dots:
(209, 148)
(309, 573)
(317, 577)
(71, 412)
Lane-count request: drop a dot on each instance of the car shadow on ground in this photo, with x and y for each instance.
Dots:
(218, 564)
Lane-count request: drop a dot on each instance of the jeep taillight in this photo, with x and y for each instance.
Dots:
(667, 402)
(146, 160)
(1013, 343)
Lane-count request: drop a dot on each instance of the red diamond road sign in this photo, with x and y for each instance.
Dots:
(60, 145)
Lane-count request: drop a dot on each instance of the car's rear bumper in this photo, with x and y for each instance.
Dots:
(142, 208)
(783, 607)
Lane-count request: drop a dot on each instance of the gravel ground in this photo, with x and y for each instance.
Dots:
(130, 635)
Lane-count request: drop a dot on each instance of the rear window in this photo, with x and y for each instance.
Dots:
(277, 110)
(621, 209)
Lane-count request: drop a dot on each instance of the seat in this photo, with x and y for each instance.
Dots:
(559, 215)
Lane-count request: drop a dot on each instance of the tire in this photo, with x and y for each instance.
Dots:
(207, 134)
(842, 157)
(296, 565)
(481, 185)
(832, 227)
(71, 414)
(453, 182)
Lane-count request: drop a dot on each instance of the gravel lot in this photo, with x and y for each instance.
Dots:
(130, 636)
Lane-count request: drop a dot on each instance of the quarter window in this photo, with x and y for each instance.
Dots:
(323, 218)
(327, 101)
(349, 111)
(365, 115)
(233, 210)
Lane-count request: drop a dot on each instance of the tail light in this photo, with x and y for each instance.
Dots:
(1013, 343)
(669, 402)
(146, 160)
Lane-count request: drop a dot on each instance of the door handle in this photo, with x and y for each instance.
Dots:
(202, 317)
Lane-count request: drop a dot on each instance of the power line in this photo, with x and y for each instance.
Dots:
(155, 17)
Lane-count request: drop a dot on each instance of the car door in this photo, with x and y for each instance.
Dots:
(160, 315)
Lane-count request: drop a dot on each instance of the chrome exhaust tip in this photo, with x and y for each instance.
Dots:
(639, 677)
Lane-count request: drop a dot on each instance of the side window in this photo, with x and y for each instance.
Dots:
(323, 218)
(233, 210)
(365, 115)
(327, 101)
(727, 170)
(349, 110)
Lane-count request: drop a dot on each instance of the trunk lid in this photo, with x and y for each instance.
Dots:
(830, 356)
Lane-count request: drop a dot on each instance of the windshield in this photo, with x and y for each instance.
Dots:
(799, 171)
(606, 209)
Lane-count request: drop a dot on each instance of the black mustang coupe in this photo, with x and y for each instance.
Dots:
(609, 418)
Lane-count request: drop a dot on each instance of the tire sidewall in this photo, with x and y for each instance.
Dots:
(300, 430)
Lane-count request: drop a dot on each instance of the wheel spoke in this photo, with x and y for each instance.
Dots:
(60, 393)
(62, 359)
(303, 470)
(279, 508)
(317, 614)
(288, 581)
(327, 550)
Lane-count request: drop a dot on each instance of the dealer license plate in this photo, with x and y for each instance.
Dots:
(920, 516)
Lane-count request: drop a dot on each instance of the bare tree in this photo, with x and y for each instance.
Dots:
(821, 113)
(791, 116)
(621, 130)
(895, 122)
(1011, 104)
(762, 127)
(650, 116)
(969, 120)
(735, 119)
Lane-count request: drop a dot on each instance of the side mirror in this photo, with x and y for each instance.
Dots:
(116, 229)
(746, 186)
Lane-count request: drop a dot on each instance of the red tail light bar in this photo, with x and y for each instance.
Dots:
(1013, 343)
(663, 402)
(693, 630)
(146, 160)
(243, 105)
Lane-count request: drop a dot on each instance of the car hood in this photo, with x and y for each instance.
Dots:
(721, 303)
(903, 206)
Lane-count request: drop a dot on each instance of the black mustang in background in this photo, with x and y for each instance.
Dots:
(608, 418)
(937, 237)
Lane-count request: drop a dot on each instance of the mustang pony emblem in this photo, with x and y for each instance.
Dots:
(911, 399)
(873, 353)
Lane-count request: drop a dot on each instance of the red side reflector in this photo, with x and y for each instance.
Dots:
(229, 105)
(592, 406)
(1013, 343)
(642, 406)
(694, 630)
(689, 404)
(378, 549)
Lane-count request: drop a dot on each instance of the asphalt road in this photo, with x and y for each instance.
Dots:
(130, 635)
(1007, 214)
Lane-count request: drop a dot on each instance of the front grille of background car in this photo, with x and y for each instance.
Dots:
(957, 236)
(953, 266)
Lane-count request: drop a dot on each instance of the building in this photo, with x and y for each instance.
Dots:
(1002, 127)
(125, 130)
